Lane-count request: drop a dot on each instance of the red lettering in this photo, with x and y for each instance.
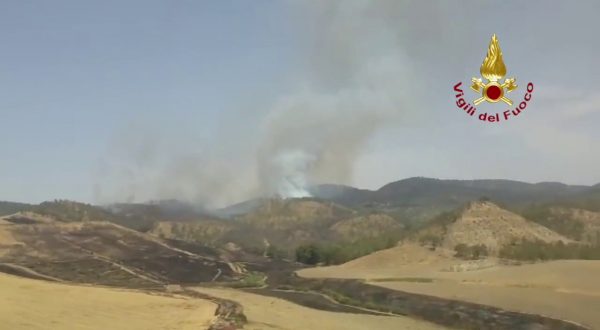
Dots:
(492, 118)
(456, 87)
(530, 87)
(522, 105)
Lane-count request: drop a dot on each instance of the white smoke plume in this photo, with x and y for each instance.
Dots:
(289, 173)
(357, 79)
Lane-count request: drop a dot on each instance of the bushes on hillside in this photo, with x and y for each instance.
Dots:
(560, 223)
(68, 211)
(430, 240)
(539, 250)
(7, 208)
(470, 252)
(333, 254)
(309, 254)
(274, 252)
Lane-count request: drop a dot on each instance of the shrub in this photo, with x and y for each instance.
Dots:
(333, 254)
(309, 254)
(540, 250)
(274, 252)
(470, 251)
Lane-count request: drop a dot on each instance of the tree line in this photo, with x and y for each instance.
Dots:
(338, 253)
(540, 250)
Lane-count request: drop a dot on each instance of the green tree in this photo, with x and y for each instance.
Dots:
(274, 252)
(308, 254)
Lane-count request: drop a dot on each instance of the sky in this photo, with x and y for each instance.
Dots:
(218, 101)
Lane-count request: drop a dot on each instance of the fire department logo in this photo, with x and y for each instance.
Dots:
(491, 87)
(493, 69)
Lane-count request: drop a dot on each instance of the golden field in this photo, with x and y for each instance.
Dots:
(266, 313)
(32, 304)
(564, 289)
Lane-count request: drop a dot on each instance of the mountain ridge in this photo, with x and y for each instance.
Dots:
(422, 191)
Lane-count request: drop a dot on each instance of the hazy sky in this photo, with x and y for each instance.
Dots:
(134, 100)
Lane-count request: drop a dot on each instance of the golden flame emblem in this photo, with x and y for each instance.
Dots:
(493, 69)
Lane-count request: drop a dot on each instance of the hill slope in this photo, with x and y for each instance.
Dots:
(484, 223)
(101, 253)
(447, 194)
(7, 208)
(575, 223)
(279, 226)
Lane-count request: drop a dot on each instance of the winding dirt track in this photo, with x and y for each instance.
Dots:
(267, 313)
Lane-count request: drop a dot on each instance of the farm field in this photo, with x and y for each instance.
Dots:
(33, 304)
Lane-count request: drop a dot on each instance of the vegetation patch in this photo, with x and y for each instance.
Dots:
(338, 253)
(560, 223)
(539, 250)
(7, 208)
(68, 211)
(251, 280)
(470, 252)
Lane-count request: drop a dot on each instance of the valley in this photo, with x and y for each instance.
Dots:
(299, 165)
(265, 312)
(481, 264)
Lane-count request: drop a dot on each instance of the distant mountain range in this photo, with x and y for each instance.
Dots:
(416, 192)
(449, 193)
(348, 218)
(7, 208)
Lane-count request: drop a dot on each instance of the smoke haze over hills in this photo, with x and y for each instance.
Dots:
(286, 96)
(362, 76)
(356, 81)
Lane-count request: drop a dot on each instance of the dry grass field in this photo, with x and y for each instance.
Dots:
(576, 307)
(32, 304)
(266, 313)
(407, 260)
(565, 289)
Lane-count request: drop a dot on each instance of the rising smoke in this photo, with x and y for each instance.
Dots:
(366, 64)
(357, 79)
